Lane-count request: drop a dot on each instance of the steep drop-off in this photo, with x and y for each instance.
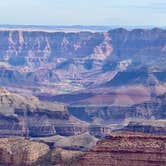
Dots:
(28, 116)
(19, 151)
(127, 150)
(48, 58)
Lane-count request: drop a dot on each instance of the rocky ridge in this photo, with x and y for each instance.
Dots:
(28, 116)
(20, 151)
(150, 110)
(127, 150)
(43, 60)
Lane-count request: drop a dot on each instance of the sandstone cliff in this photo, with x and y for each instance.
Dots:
(21, 47)
(127, 150)
(27, 116)
(150, 110)
(152, 126)
(51, 57)
(19, 151)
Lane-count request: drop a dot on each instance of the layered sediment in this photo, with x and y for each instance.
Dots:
(127, 150)
(20, 151)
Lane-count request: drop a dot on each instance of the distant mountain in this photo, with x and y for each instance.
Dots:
(73, 27)
(58, 28)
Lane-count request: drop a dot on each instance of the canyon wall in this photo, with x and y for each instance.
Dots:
(27, 116)
(19, 151)
(127, 150)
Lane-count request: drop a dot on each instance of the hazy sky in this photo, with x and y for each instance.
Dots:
(83, 12)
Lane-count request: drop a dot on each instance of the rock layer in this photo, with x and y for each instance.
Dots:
(153, 109)
(38, 56)
(127, 150)
(146, 126)
(27, 116)
(19, 151)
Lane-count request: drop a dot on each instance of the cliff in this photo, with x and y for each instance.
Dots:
(19, 151)
(139, 43)
(27, 116)
(38, 56)
(21, 47)
(127, 150)
(146, 126)
(122, 149)
(153, 109)
(36, 48)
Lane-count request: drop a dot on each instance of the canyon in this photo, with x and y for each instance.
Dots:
(64, 91)
(124, 148)
(43, 60)
(29, 117)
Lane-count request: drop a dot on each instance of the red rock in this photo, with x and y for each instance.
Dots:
(127, 150)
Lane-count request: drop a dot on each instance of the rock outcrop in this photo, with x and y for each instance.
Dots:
(65, 150)
(21, 47)
(127, 150)
(82, 142)
(139, 44)
(36, 48)
(99, 131)
(39, 57)
(27, 116)
(157, 127)
(19, 151)
(153, 109)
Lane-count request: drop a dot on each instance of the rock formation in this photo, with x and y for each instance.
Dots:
(19, 151)
(152, 126)
(86, 82)
(127, 150)
(150, 110)
(28, 116)
(53, 59)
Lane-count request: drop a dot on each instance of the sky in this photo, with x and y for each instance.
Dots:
(83, 12)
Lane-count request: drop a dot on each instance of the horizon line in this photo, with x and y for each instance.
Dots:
(81, 25)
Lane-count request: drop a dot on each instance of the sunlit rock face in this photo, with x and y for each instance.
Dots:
(36, 48)
(103, 77)
(27, 116)
(19, 151)
(127, 150)
(104, 58)
(107, 81)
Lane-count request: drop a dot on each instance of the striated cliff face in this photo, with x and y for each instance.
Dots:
(106, 79)
(36, 48)
(38, 56)
(127, 150)
(139, 43)
(153, 109)
(146, 126)
(19, 151)
(28, 116)
(99, 131)
(123, 149)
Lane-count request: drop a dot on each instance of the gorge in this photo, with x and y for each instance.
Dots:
(64, 91)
